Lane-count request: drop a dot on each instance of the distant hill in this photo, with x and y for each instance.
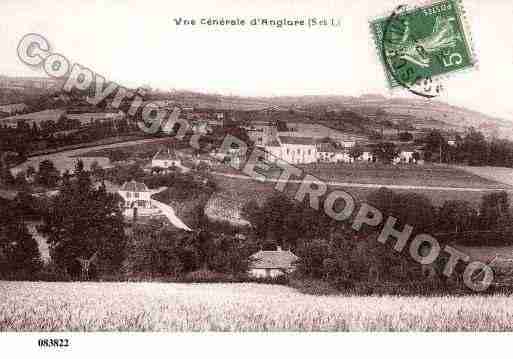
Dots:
(419, 113)
(366, 113)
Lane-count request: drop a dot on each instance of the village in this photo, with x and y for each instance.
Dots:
(144, 203)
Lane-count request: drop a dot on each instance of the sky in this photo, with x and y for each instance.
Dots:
(138, 43)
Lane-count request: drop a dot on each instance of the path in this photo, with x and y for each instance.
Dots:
(497, 174)
(44, 248)
(169, 212)
(370, 185)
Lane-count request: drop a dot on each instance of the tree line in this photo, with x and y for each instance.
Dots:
(333, 251)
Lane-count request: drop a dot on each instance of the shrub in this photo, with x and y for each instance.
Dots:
(207, 276)
(52, 273)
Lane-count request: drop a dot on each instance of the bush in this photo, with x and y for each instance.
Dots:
(313, 286)
(281, 280)
(207, 276)
(52, 273)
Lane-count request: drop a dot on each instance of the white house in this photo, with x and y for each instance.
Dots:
(451, 141)
(406, 155)
(137, 199)
(326, 152)
(366, 156)
(347, 143)
(343, 156)
(165, 159)
(272, 264)
(14, 108)
(298, 149)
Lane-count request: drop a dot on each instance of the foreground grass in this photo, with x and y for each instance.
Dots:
(34, 306)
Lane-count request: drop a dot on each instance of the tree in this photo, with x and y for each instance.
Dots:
(456, 216)
(435, 145)
(313, 254)
(20, 179)
(48, 175)
(83, 220)
(474, 148)
(413, 209)
(382, 199)
(356, 152)
(97, 170)
(31, 171)
(385, 152)
(6, 176)
(19, 249)
(252, 212)
(25, 206)
(405, 136)
(281, 126)
(494, 207)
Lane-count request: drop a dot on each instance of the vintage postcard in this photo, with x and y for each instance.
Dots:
(240, 166)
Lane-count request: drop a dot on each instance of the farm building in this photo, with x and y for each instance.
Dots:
(14, 108)
(165, 159)
(327, 152)
(298, 149)
(272, 264)
(137, 199)
(90, 118)
(33, 117)
(292, 149)
(407, 154)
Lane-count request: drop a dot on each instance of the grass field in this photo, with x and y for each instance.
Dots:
(437, 197)
(408, 175)
(146, 150)
(246, 189)
(33, 306)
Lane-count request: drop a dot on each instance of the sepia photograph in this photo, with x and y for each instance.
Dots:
(293, 167)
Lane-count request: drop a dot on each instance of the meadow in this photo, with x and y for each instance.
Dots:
(404, 174)
(37, 306)
(246, 189)
(135, 150)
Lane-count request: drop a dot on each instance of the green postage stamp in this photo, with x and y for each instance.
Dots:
(420, 44)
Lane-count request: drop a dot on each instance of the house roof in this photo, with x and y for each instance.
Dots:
(165, 155)
(134, 186)
(297, 140)
(273, 259)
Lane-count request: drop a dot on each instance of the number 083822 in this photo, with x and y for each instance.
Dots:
(53, 343)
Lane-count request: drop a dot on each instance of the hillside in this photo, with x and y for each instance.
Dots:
(364, 114)
(419, 113)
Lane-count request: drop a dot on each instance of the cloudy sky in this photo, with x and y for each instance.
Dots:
(137, 42)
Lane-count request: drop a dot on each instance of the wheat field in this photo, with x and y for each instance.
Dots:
(39, 306)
